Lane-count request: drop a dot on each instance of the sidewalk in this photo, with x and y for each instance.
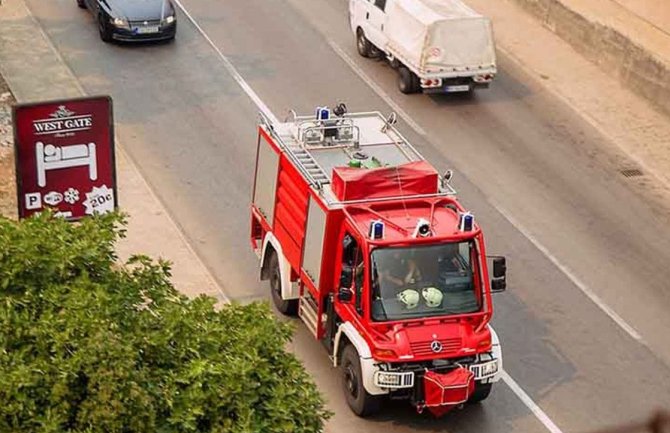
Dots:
(629, 39)
(35, 71)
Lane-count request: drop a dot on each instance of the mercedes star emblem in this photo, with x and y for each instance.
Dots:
(436, 346)
(146, 22)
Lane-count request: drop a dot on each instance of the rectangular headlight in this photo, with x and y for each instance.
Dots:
(170, 19)
(490, 368)
(384, 379)
(484, 370)
(119, 22)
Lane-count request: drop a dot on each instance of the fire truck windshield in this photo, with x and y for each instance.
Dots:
(425, 281)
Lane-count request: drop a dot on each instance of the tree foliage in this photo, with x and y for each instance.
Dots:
(88, 345)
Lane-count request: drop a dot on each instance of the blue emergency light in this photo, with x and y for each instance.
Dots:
(376, 229)
(322, 113)
(466, 221)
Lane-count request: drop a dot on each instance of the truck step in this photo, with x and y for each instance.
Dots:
(308, 312)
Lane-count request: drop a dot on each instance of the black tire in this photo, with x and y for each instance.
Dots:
(363, 46)
(104, 29)
(482, 391)
(286, 307)
(358, 399)
(81, 4)
(408, 82)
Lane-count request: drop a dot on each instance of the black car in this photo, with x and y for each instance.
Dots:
(133, 20)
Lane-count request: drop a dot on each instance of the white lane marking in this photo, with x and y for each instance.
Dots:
(352, 64)
(231, 69)
(575, 280)
(530, 404)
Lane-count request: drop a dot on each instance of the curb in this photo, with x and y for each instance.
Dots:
(635, 66)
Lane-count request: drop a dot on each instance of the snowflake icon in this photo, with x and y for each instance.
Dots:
(71, 195)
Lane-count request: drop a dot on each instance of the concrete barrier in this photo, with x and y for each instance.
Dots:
(636, 67)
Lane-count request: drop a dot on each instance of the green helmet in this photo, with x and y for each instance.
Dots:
(409, 297)
(432, 296)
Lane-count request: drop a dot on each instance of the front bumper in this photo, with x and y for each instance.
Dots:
(165, 32)
(486, 369)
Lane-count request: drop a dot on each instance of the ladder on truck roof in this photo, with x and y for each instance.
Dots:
(300, 157)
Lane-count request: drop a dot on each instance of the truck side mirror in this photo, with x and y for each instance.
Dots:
(346, 277)
(499, 281)
(345, 295)
(498, 285)
(499, 267)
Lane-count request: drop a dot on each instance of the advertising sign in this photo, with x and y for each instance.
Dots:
(65, 157)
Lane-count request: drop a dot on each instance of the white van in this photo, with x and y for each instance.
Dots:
(436, 45)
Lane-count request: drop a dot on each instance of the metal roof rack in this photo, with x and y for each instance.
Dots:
(317, 145)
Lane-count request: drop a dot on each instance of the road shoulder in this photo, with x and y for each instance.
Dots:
(638, 135)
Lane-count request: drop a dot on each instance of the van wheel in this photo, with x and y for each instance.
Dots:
(482, 391)
(287, 307)
(358, 399)
(408, 82)
(363, 46)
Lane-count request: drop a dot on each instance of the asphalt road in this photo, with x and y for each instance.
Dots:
(519, 156)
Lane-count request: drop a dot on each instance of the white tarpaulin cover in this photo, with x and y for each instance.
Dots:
(439, 34)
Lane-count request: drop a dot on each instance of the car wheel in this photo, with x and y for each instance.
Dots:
(103, 28)
(358, 399)
(81, 4)
(408, 82)
(287, 307)
(482, 391)
(363, 46)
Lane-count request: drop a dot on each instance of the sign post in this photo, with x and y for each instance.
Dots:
(64, 154)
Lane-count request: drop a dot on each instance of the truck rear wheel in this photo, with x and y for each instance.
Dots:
(363, 46)
(482, 391)
(408, 82)
(358, 399)
(288, 307)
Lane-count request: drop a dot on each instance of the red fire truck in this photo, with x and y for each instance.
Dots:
(361, 238)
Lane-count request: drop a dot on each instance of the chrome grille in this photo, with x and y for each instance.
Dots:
(141, 23)
(449, 345)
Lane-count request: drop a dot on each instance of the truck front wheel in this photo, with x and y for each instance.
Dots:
(363, 46)
(287, 307)
(482, 391)
(358, 399)
(408, 82)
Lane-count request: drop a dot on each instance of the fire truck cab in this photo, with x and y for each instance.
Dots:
(361, 238)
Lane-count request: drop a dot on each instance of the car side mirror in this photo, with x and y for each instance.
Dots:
(345, 295)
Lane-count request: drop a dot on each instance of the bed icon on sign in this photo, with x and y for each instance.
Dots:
(50, 157)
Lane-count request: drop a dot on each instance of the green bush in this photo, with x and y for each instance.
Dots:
(88, 345)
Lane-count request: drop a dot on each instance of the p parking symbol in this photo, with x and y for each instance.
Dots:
(33, 201)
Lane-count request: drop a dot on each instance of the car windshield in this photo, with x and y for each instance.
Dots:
(424, 281)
